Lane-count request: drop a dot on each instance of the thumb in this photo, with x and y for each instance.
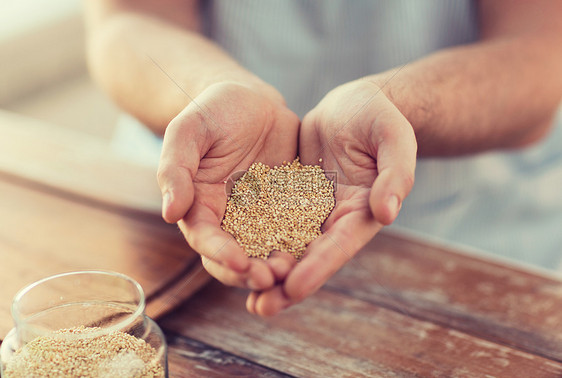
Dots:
(396, 164)
(178, 166)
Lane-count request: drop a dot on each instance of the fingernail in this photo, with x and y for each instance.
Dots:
(394, 205)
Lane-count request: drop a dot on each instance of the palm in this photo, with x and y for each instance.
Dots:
(351, 223)
(349, 226)
(353, 175)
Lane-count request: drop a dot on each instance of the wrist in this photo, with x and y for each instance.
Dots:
(418, 109)
(381, 84)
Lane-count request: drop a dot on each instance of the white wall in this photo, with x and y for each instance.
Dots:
(41, 43)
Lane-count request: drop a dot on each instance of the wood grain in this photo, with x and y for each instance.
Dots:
(331, 334)
(43, 234)
(69, 202)
(191, 358)
(76, 163)
(493, 301)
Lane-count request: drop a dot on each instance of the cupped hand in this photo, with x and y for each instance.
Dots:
(223, 131)
(357, 135)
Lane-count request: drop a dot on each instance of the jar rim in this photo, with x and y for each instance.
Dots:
(139, 311)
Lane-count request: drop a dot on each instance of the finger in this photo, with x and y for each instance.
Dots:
(179, 161)
(310, 141)
(251, 302)
(396, 164)
(327, 254)
(201, 229)
(271, 302)
(258, 277)
(280, 264)
(223, 274)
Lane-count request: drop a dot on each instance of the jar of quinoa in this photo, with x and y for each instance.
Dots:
(86, 324)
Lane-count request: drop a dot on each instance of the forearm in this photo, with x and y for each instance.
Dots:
(153, 68)
(500, 92)
(475, 98)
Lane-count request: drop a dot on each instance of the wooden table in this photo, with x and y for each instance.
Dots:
(403, 307)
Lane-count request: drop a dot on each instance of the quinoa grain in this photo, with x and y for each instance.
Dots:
(116, 354)
(280, 208)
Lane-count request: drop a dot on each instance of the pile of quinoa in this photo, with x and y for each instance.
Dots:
(280, 208)
(116, 354)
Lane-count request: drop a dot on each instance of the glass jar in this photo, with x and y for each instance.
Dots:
(89, 323)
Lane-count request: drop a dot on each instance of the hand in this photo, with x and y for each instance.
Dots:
(362, 137)
(223, 131)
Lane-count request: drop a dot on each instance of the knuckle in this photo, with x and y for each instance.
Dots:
(168, 172)
(407, 181)
(163, 174)
(196, 241)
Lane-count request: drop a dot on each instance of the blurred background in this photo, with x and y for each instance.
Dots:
(43, 71)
